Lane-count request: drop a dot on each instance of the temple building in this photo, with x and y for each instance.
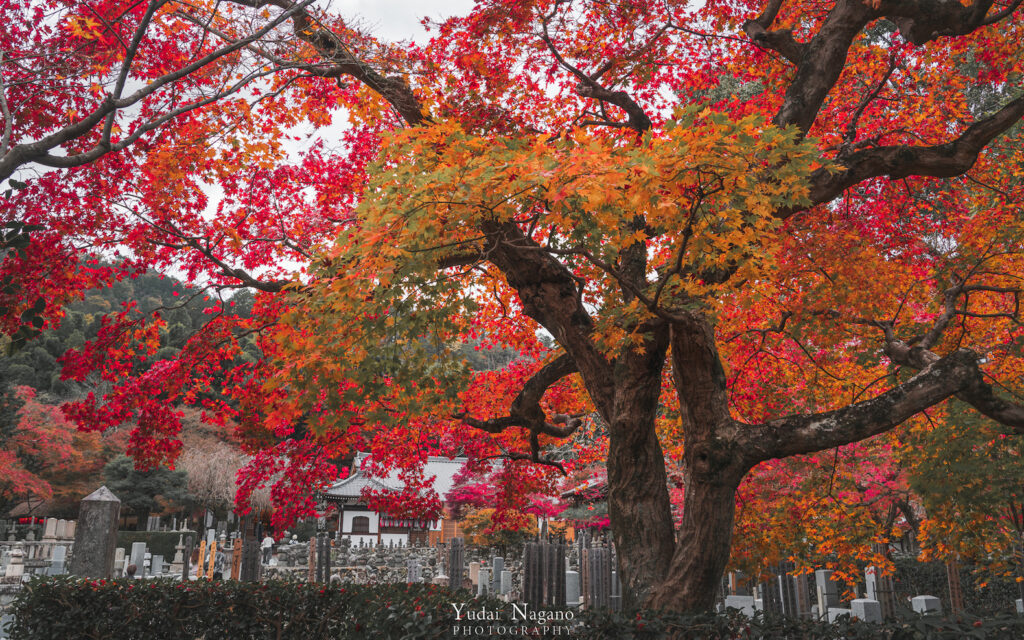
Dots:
(361, 525)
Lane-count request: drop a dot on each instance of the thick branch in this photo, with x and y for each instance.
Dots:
(396, 91)
(781, 40)
(821, 60)
(551, 295)
(798, 434)
(526, 412)
(921, 21)
(939, 161)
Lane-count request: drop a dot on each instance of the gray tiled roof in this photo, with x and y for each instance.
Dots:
(443, 470)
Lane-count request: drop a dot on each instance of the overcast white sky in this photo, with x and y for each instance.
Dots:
(399, 19)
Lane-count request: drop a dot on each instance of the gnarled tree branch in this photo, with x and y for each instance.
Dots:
(526, 412)
(900, 161)
(956, 374)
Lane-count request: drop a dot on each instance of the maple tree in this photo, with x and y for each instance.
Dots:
(41, 449)
(749, 232)
(967, 473)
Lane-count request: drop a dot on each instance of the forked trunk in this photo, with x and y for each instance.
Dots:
(638, 501)
(700, 558)
(641, 516)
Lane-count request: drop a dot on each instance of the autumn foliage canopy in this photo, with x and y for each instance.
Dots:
(745, 253)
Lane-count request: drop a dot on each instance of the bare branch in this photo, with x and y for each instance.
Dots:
(39, 151)
(396, 91)
(851, 128)
(589, 87)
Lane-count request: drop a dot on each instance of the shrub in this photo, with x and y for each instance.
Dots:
(64, 607)
(735, 626)
(76, 608)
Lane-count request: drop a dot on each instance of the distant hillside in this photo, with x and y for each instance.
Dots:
(36, 366)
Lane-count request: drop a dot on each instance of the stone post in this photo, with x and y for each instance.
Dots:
(311, 574)
(186, 564)
(15, 563)
(96, 535)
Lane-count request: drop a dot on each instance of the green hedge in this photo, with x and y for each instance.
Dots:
(736, 626)
(74, 608)
(48, 608)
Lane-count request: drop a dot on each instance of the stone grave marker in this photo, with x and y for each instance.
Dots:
(57, 561)
(926, 605)
(119, 563)
(138, 558)
(828, 592)
(413, 571)
(178, 560)
(835, 612)
(497, 566)
(15, 563)
(572, 588)
(456, 563)
(743, 603)
(96, 535)
(802, 595)
(866, 609)
(50, 530)
(186, 563)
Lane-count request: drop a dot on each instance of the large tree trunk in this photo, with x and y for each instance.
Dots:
(638, 501)
(700, 558)
(702, 552)
(713, 469)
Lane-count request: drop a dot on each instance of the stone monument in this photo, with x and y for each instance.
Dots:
(96, 535)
